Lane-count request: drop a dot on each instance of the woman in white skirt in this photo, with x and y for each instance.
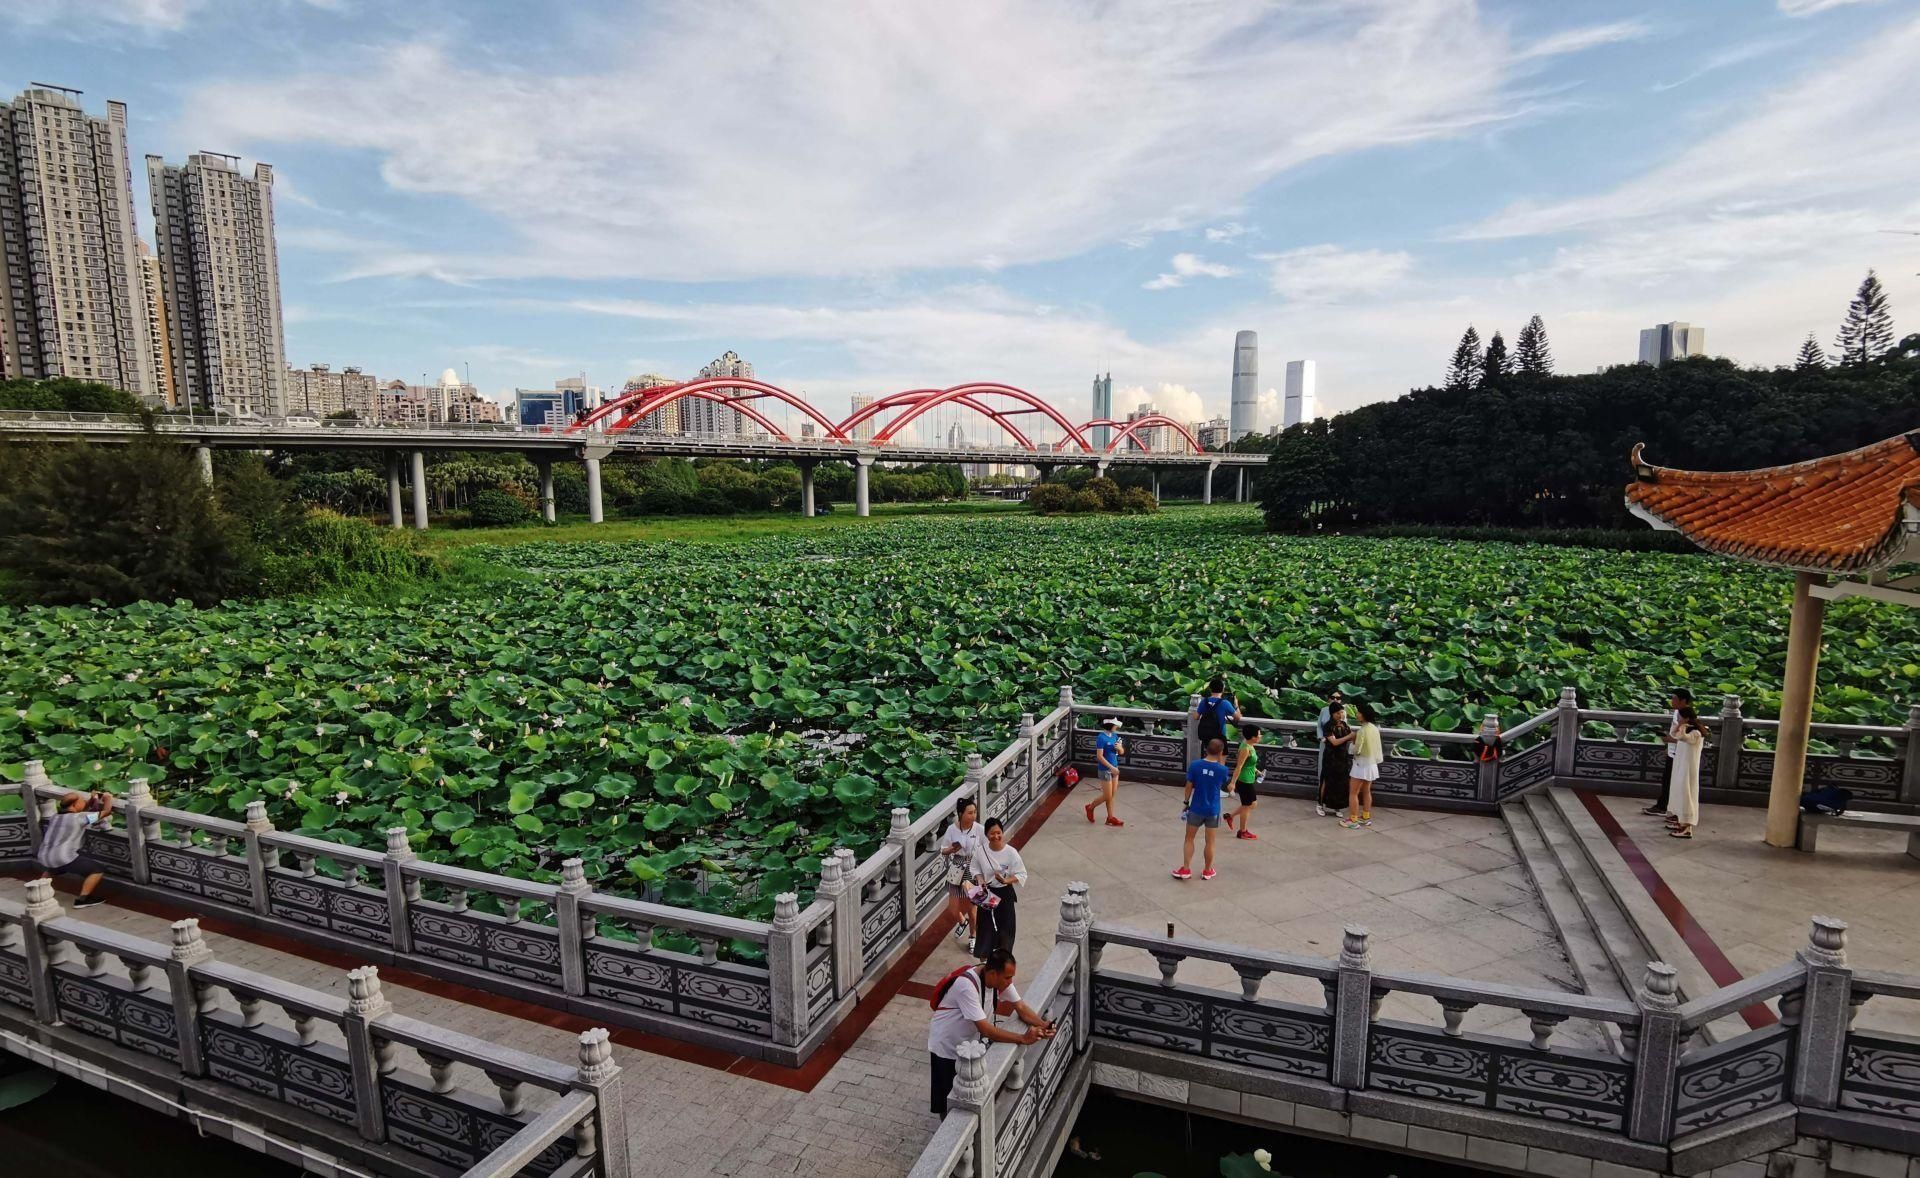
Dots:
(1367, 755)
(958, 844)
(1691, 736)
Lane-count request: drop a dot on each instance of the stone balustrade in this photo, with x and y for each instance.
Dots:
(304, 1068)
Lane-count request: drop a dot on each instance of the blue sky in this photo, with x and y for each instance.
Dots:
(865, 197)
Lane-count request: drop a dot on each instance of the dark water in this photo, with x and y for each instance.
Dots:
(1134, 1138)
(75, 1131)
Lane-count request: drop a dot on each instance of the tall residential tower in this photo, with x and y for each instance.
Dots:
(1102, 409)
(1672, 341)
(699, 416)
(1299, 404)
(1243, 414)
(221, 275)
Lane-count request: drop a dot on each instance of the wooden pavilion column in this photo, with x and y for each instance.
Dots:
(1796, 711)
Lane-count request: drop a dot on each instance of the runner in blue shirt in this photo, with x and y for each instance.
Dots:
(1206, 778)
(1108, 748)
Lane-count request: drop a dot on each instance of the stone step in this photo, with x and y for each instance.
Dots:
(1591, 965)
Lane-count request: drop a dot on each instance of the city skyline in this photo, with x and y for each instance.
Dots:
(1139, 242)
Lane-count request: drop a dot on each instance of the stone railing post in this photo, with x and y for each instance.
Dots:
(257, 824)
(33, 776)
(1076, 923)
(844, 923)
(1066, 701)
(976, 783)
(899, 834)
(1487, 785)
(575, 926)
(1352, 1010)
(1910, 759)
(141, 830)
(1192, 727)
(367, 1059)
(972, 1093)
(1825, 1011)
(400, 888)
(1733, 738)
(1654, 1049)
(1566, 731)
(1032, 759)
(603, 1135)
(787, 971)
(41, 907)
(189, 950)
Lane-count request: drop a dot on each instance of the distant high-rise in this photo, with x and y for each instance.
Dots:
(1672, 341)
(864, 431)
(1102, 409)
(159, 344)
(221, 273)
(70, 283)
(1212, 434)
(1243, 413)
(1150, 438)
(318, 391)
(956, 437)
(699, 416)
(1299, 405)
(665, 420)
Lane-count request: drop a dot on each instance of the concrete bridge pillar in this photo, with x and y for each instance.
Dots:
(595, 513)
(1206, 483)
(546, 489)
(1100, 469)
(806, 488)
(1240, 485)
(420, 490)
(396, 513)
(1155, 475)
(1046, 471)
(862, 463)
(203, 455)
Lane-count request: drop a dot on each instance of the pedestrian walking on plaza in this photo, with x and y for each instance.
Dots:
(1686, 774)
(1336, 761)
(61, 838)
(1335, 700)
(1245, 775)
(957, 844)
(1678, 699)
(1206, 781)
(1108, 748)
(964, 1007)
(1367, 755)
(999, 868)
(1214, 710)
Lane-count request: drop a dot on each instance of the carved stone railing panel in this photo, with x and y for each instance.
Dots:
(1732, 1079)
(930, 876)
(1021, 1116)
(108, 1007)
(819, 980)
(715, 993)
(1524, 770)
(1871, 779)
(1146, 753)
(1421, 778)
(15, 989)
(517, 949)
(110, 846)
(1882, 1076)
(1284, 767)
(1272, 1036)
(317, 901)
(1056, 746)
(201, 871)
(16, 841)
(882, 923)
(270, 1062)
(1635, 763)
(456, 1128)
(1482, 1071)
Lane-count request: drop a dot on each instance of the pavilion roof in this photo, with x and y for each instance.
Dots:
(1850, 513)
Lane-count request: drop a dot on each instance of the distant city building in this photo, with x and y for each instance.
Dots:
(1244, 411)
(556, 407)
(159, 344)
(1213, 434)
(1672, 341)
(320, 392)
(699, 416)
(220, 272)
(1299, 404)
(664, 420)
(1152, 438)
(1102, 409)
(864, 431)
(591, 396)
(402, 403)
(71, 301)
(956, 437)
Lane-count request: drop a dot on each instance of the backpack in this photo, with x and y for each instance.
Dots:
(946, 983)
(1212, 727)
(1828, 799)
(1068, 775)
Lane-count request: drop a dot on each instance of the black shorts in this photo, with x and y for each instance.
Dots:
(1246, 794)
(82, 865)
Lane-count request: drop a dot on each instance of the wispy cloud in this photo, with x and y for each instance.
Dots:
(1724, 59)
(1810, 7)
(1330, 274)
(1187, 266)
(79, 17)
(1579, 40)
(1226, 232)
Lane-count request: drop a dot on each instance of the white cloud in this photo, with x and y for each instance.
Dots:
(1227, 232)
(1175, 400)
(1187, 266)
(76, 16)
(1580, 40)
(790, 160)
(1724, 59)
(1329, 274)
(1810, 7)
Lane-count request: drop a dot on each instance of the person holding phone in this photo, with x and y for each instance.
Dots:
(957, 845)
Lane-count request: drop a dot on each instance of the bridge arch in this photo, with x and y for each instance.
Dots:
(631, 407)
(1150, 421)
(915, 402)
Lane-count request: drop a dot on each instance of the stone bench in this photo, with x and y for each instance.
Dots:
(1810, 825)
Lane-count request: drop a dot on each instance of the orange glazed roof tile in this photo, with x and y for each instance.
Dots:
(1846, 513)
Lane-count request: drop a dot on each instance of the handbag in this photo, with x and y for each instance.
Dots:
(956, 874)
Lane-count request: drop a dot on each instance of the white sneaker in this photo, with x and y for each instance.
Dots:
(1319, 810)
(961, 933)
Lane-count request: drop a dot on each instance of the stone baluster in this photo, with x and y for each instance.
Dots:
(350, 877)
(1821, 1055)
(1566, 732)
(1353, 1010)
(606, 1135)
(1910, 759)
(1654, 1049)
(842, 929)
(41, 955)
(306, 1027)
(1542, 1024)
(139, 974)
(1452, 1012)
(1076, 929)
(440, 1069)
(787, 971)
(96, 961)
(512, 1099)
(257, 824)
(900, 835)
(1169, 963)
(304, 861)
(575, 924)
(401, 890)
(252, 1009)
(972, 1093)
(189, 950)
(368, 1056)
(140, 829)
(458, 899)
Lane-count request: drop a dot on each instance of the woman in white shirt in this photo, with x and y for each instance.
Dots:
(957, 844)
(1691, 736)
(997, 865)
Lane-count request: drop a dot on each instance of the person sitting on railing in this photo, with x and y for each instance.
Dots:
(60, 841)
(964, 1005)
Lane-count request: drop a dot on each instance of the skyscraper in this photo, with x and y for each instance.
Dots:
(221, 275)
(1299, 405)
(1672, 341)
(665, 420)
(154, 304)
(70, 285)
(699, 416)
(1243, 413)
(864, 431)
(1102, 408)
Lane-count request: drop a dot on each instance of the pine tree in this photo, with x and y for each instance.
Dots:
(1464, 371)
(1867, 331)
(1532, 357)
(1810, 355)
(1497, 366)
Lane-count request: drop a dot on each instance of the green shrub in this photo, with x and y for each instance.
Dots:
(325, 551)
(1647, 540)
(495, 508)
(1107, 490)
(1138, 501)
(1083, 503)
(66, 393)
(1048, 498)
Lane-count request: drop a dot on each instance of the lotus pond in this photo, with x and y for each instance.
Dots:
(728, 711)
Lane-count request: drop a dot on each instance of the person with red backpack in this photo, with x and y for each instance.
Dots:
(964, 1005)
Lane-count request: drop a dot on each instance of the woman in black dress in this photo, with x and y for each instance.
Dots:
(1336, 762)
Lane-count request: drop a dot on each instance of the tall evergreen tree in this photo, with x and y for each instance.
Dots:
(1867, 331)
(1497, 366)
(1464, 371)
(1810, 355)
(1531, 355)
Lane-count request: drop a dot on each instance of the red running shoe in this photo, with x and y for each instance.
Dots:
(1112, 821)
(1182, 873)
(1207, 874)
(1246, 834)
(1090, 806)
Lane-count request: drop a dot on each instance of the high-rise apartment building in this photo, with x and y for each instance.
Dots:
(865, 430)
(319, 391)
(1151, 438)
(221, 273)
(1213, 434)
(664, 420)
(1672, 341)
(1243, 412)
(699, 416)
(70, 282)
(1102, 410)
(153, 304)
(1299, 405)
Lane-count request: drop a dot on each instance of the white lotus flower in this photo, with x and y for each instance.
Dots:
(1263, 1159)
(366, 762)
(253, 734)
(341, 797)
